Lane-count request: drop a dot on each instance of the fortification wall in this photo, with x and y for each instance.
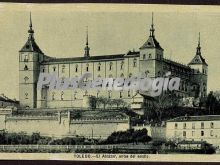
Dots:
(47, 126)
(60, 126)
(98, 128)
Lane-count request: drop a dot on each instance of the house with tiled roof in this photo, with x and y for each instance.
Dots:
(194, 128)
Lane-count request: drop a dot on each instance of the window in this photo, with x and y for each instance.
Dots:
(26, 58)
(26, 95)
(87, 67)
(184, 133)
(202, 125)
(176, 125)
(53, 96)
(122, 64)
(135, 62)
(74, 96)
(26, 79)
(144, 57)
(193, 125)
(129, 93)
(193, 133)
(211, 125)
(130, 74)
(99, 67)
(184, 125)
(147, 73)
(43, 70)
(120, 94)
(63, 69)
(109, 94)
(62, 93)
(211, 133)
(76, 68)
(110, 66)
(54, 68)
(202, 133)
(149, 56)
(25, 67)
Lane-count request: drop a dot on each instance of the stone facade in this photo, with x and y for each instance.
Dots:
(149, 60)
(194, 128)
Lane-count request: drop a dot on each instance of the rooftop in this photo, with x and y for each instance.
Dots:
(195, 118)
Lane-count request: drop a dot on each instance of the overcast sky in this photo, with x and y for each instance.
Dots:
(60, 32)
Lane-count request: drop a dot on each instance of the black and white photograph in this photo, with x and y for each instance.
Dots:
(113, 82)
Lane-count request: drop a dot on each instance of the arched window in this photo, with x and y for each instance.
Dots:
(76, 68)
(144, 56)
(43, 69)
(54, 68)
(130, 74)
(202, 133)
(25, 67)
(26, 79)
(87, 67)
(99, 66)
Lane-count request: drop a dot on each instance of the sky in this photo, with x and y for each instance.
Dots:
(60, 31)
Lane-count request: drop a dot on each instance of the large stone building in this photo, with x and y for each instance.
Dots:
(149, 60)
(194, 128)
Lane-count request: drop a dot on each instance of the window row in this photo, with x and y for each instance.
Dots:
(110, 66)
(202, 133)
(193, 125)
(86, 93)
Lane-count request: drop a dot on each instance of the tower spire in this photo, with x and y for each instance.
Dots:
(30, 31)
(152, 26)
(198, 49)
(87, 44)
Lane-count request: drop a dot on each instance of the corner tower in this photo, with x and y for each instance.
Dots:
(200, 71)
(151, 54)
(29, 57)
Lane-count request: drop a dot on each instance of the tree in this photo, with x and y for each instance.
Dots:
(92, 102)
(164, 102)
(211, 102)
(35, 137)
